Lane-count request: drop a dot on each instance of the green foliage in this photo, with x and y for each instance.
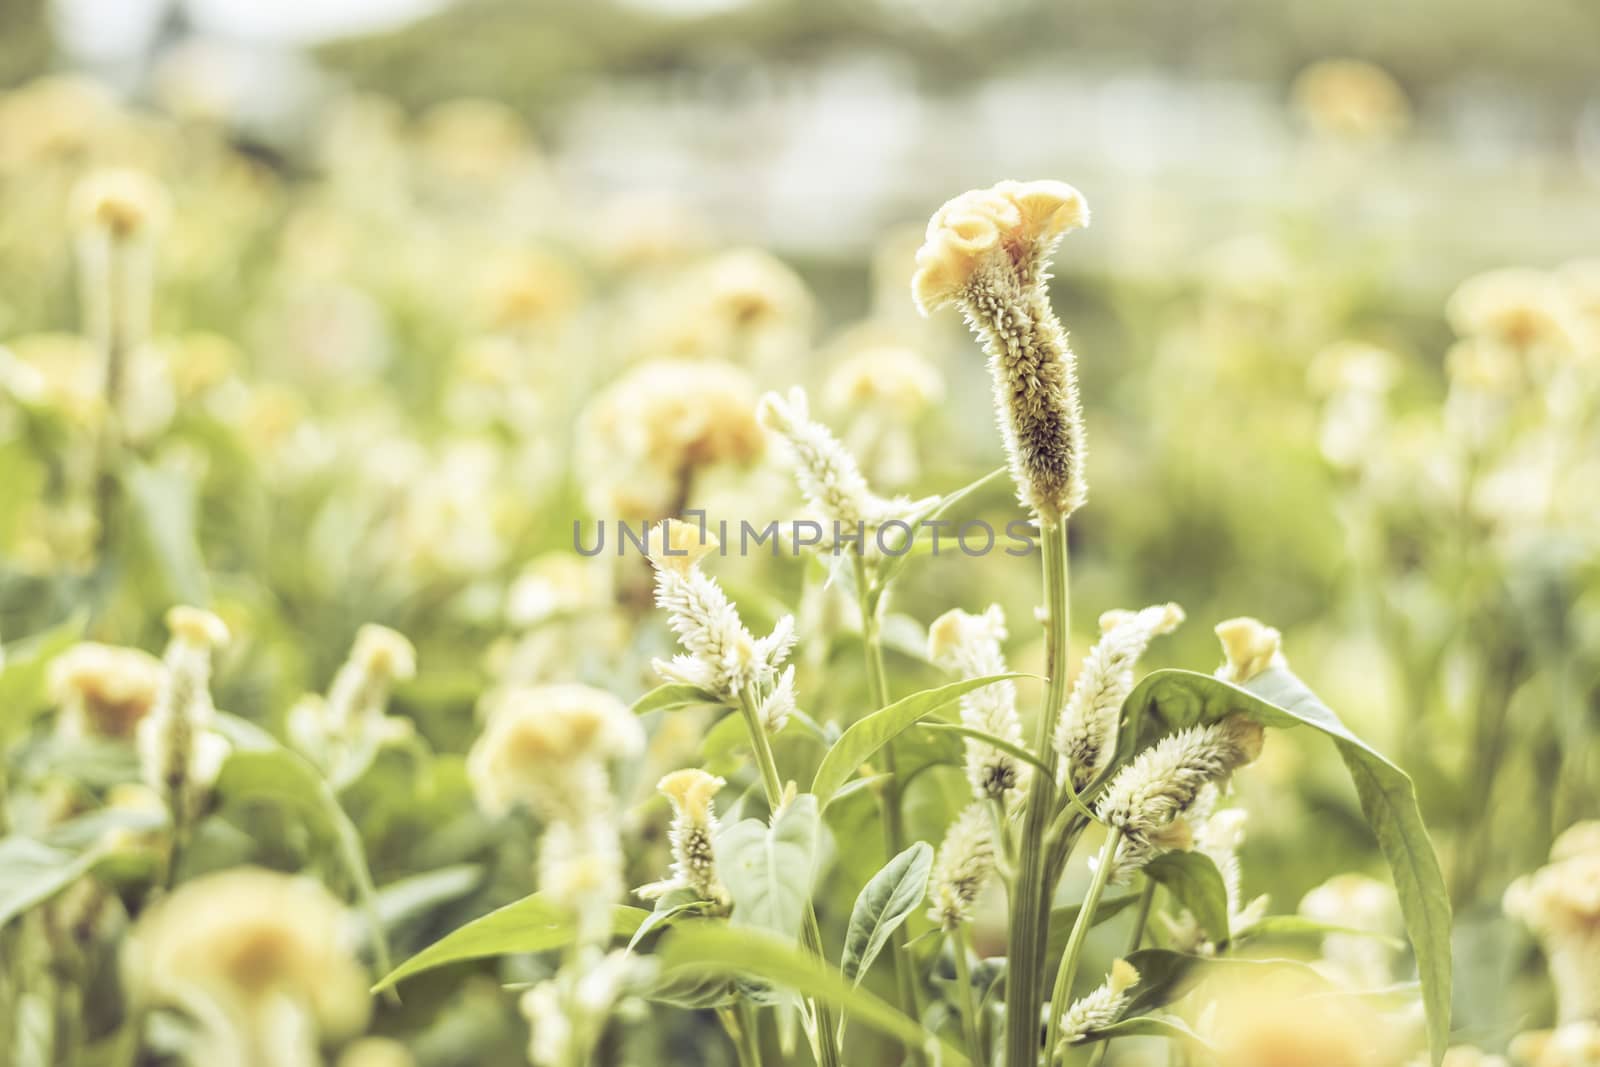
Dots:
(883, 906)
(769, 869)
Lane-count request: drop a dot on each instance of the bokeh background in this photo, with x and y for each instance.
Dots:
(1338, 318)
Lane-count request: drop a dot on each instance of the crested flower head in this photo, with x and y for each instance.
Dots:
(970, 645)
(1250, 647)
(986, 253)
(1560, 903)
(748, 289)
(962, 867)
(257, 958)
(1100, 1008)
(1087, 730)
(1011, 228)
(104, 690)
(694, 826)
(547, 747)
(1153, 799)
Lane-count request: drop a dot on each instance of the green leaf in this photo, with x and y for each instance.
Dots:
(672, 696)
(1171, 699)
(32, 872)
(1194, 881)
(1147, 1026)
(533, 924)
(867, 735)
(1289, 926)
(706, 949)
(1062, 920)
(24, 675)
(671, 906)
(884, 904)
(279, 776)
(408, 898)
(163, 507)
(768, 869)
(1016, 752)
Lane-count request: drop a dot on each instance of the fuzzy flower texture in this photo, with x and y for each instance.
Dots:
(986, 252)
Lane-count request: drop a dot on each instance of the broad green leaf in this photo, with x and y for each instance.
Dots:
(1194, 881)
(32, 872)
(1062, 920)
(768, 869)
(1171, 699)
(672, 696)
(1287, 926)
(163, 508)
(1147, 1026)
(533, 924)
(279, 776)
(883, 905)
(866, 736)
(671, 906)
(24, 675)
(407, 898)
(707, 949)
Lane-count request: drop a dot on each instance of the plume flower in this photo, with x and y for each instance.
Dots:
(883, 389)
(257, 960)
(1359, 903)
(720, 655)
(962, 867)
(1087, 731)
(1249, 647)
(970, 646)
(178, 752)
(1100, 1008)
(986, 252)
(1151, 799)
(1560, 903)
(104, 690)
(694, 826)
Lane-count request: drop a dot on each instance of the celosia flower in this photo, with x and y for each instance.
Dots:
(1099, 1009)
(1150, 799)
(1517, 308)
(1249, 647)
(720, 655)
(122, 204)
(257, 960)
(567, 1014)
(103, 690)
(1560, 903)
(343, 731)
(986, 252)
(556, 583)
(694, 826)
(1575, 1044)
(1465, 1056)
(642, 439)
(178, 752)
(1217, 835)
(893, 380)
(970, 645)
(1087, 731)
(1356, 902)
(1351, 98)
(963, 866)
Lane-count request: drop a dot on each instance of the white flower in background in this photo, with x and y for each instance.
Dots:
(343, 732)
(568, 1014)
(258, 962)
(1358, 903)
(970, 646)
(104, 690)
(1087, 732)
(963, 866)
(179, 753)
(1560, 903)
(883, 389)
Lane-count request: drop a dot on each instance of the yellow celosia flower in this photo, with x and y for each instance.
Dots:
(103, 690)
(1351, 98)
(1520, 309)
(122, 203)
(1250, 647)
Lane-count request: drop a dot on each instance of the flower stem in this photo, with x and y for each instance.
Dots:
(894, 835)
(1030, 900)
(1061, 993)
(811, 933)
(964, 1001)
(1135, 938)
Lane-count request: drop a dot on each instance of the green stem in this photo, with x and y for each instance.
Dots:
(1030, 901)
(811, 934)
(894, 836)
(739, 1022)
(1142, 916)
(968, 1008)
(1061, 993)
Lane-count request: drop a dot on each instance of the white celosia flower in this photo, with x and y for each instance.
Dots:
(963, 865)
(104, 690)
(970, 645)
(828, 475)
(720, 655)
(694, 826)
(179, 754)
(1575, 1044)
(257, 960)
(1151, 799)
(1250, 647)
(1099, 1009)
(1087, 732)
(1560, 903)
(986, 252)
(1359, 903)
(342, 732)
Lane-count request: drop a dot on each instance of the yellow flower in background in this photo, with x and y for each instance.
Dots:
(1351, 98)
(103, 690)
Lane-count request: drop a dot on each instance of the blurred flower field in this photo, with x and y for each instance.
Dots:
(306, 667)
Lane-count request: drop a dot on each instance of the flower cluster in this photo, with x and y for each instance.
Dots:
(963, 866)
(970, 646)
